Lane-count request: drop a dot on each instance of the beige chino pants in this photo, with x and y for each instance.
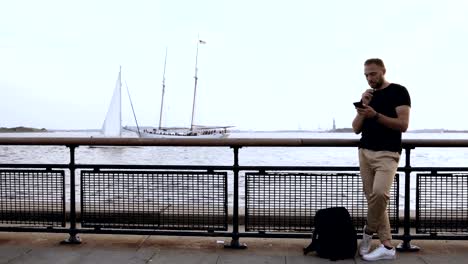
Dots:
(378, 169)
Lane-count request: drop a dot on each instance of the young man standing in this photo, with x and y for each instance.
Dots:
(381, 120)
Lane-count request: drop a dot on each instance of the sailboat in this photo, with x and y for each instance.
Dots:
(195, 131)
(112, 125)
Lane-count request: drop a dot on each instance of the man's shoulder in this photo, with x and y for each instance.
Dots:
(400, 95)
(397, 86)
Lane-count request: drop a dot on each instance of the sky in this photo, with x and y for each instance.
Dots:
(266, 64)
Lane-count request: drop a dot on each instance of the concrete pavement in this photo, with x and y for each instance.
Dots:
(40, 248)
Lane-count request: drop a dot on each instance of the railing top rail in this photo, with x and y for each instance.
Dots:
(227, 142)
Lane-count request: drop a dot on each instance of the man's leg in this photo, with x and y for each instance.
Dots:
(367, 173)
(386, 164)
(367, 176)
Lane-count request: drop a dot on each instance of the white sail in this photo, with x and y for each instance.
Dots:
(112, 126)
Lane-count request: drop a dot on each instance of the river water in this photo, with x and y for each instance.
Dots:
(249, 156)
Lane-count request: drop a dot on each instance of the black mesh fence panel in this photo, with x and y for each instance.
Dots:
(32, 198)
(442, 203)
(289, 201)
(173, 200)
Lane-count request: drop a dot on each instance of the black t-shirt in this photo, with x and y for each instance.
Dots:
(376, 136)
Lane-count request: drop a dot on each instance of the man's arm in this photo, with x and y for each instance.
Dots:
(366, 97)
(399, 123)
(357, 123)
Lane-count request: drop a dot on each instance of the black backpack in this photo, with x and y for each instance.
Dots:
(334, 235)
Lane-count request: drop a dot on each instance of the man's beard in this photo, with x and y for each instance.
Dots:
(377, 84)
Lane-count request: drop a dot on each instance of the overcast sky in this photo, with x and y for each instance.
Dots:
(266, 65)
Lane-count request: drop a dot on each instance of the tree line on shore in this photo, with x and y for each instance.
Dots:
(21, 129)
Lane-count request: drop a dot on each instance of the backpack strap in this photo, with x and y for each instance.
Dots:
(313, 245)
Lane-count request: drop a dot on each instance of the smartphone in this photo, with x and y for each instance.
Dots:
(358, 104)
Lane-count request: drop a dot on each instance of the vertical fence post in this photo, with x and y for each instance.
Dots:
(74, 238)
(235, 244)
(406, 245)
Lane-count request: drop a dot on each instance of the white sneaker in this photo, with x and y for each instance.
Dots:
(380, 253)
(366, 242)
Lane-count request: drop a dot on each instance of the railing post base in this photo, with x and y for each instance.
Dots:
(72, 240)
(406, 246)
(235, 244)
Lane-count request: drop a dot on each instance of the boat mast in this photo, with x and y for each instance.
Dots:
(120, 101)
(133, 110)
(163, 91)
(196, 81)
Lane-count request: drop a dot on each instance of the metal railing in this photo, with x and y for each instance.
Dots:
(192, 200)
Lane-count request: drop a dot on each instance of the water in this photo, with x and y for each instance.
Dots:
(248, 156)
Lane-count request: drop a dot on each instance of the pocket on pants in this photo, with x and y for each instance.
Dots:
(387, 160)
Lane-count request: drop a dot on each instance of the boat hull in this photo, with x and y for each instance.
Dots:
(156, 135)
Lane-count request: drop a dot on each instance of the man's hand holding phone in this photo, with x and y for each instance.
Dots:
(358, 104)
(365, 110)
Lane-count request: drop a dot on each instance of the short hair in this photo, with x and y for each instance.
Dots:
(375, 61)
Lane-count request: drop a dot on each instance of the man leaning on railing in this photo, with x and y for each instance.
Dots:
(382, 116)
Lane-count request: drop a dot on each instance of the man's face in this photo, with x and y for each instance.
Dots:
(374, 75)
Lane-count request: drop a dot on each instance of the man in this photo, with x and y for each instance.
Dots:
(383, 117)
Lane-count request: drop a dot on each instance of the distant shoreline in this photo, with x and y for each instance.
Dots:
(350, 130)
(21, 129)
